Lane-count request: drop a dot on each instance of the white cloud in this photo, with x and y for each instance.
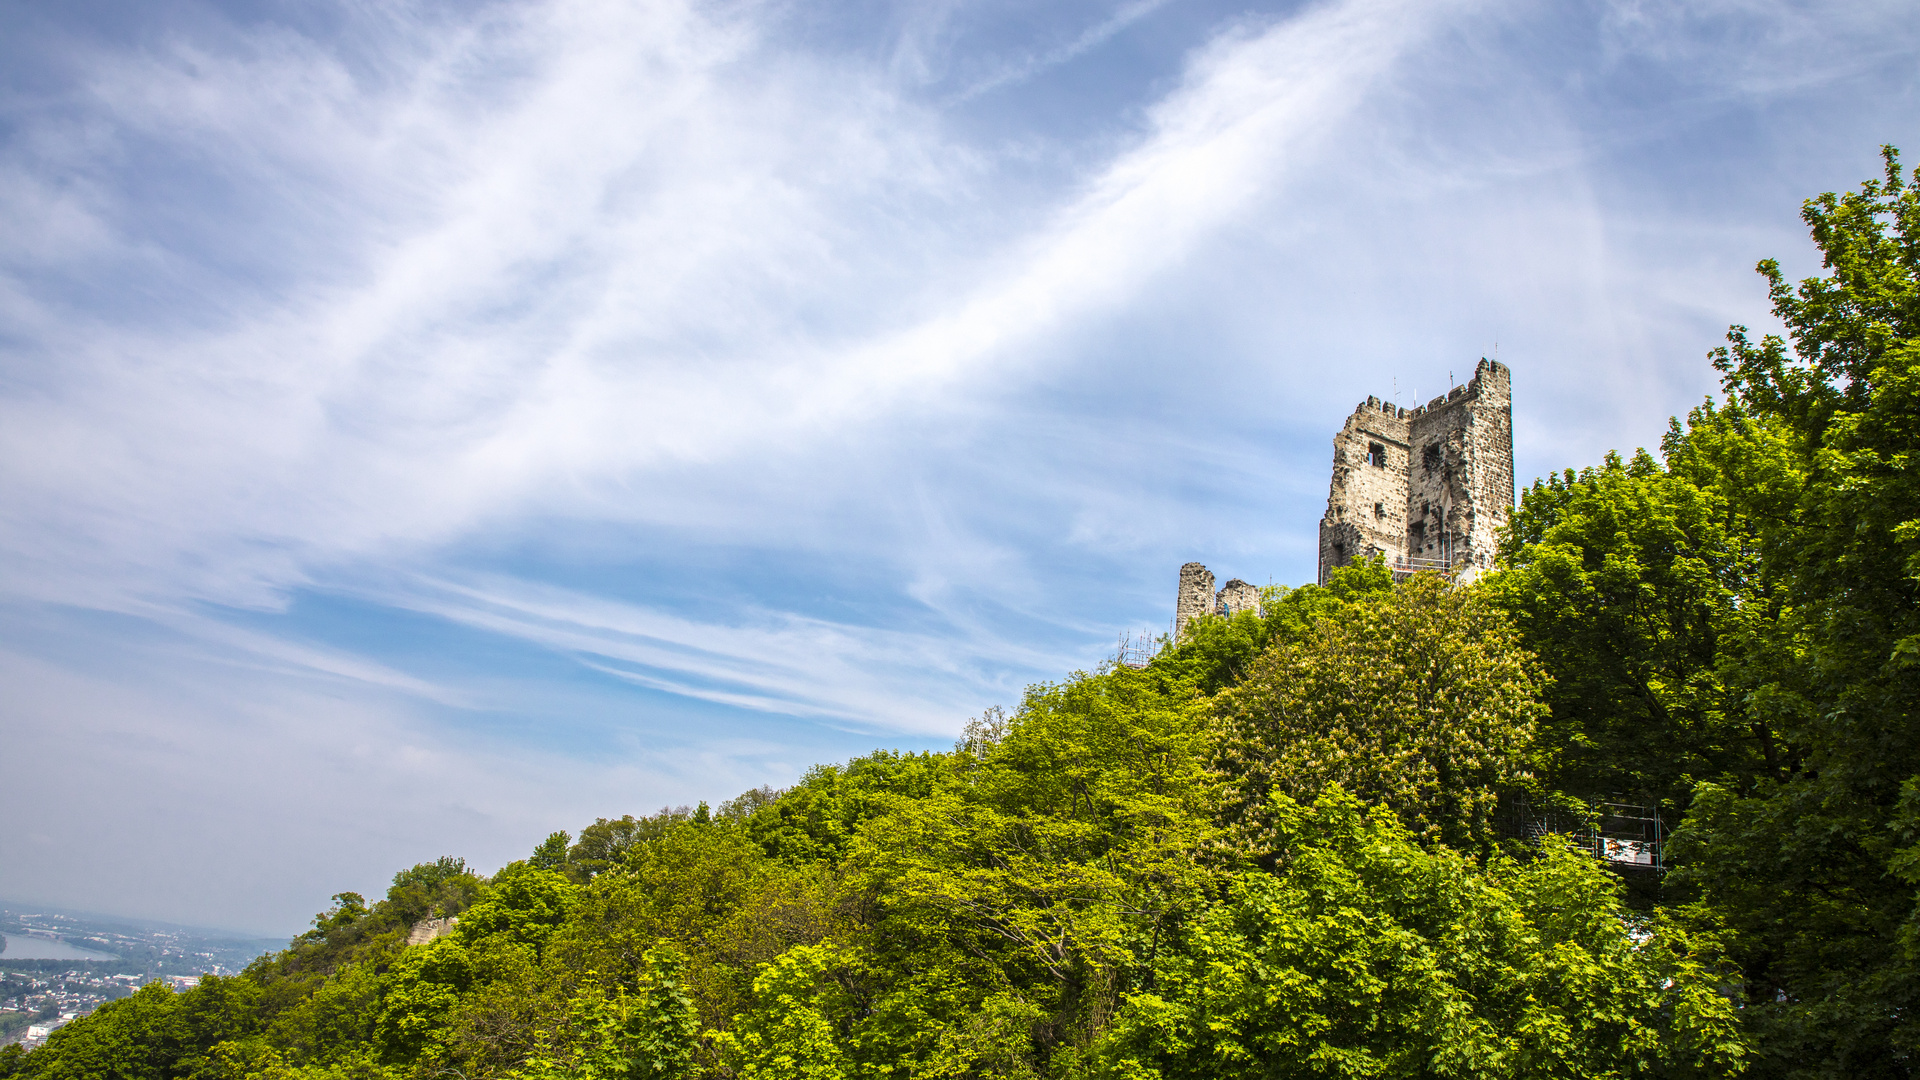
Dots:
(584, 275)
(408, 316)
(1026, 67)
(768, 661)
(174, 789)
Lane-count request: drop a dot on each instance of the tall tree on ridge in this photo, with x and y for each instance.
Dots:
(1815, 866)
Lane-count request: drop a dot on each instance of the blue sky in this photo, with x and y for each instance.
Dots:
(427, 426)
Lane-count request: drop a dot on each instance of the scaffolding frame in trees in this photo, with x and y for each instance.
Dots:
(1628, 836)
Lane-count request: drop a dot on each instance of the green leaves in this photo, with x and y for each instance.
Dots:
(523, 902)
(650, 1034)
(1421, 699)
(1054, 898)
(143, 1037)
(1365, 954)
(419, 997)
(1640, 588)
(1012, 900)
(1808, 866)
(799, 1023)
(551, 854)
(1216, 653)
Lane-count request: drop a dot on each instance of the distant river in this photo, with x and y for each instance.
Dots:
(22, 947)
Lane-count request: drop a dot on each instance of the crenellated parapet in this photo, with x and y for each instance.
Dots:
(1425, 487)
(1428, 488)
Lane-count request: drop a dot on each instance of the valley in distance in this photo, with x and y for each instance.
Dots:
(57, 965)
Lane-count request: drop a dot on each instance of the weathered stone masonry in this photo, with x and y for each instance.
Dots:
(1198, 597)
(1428, 487)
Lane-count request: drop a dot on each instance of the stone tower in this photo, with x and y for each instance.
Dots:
(1428, 487)
(1198, 597)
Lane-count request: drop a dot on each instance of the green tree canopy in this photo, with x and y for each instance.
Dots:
(1809, 865)
(1365, 954)
(1420, 698)
(1639, 586)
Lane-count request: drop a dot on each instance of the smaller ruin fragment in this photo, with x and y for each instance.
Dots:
(1199, 597)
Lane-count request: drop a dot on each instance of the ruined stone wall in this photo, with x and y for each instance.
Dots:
(1196, 597)
(1367, 501)
(1441, 491)
(1460, 485)
(1428, 487)
(427, 929)
(1236, 596)
(1491, 479)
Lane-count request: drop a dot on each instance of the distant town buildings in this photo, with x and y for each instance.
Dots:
(55, 999)
(40, 993)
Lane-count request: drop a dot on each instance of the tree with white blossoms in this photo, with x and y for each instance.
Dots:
(1420, 698)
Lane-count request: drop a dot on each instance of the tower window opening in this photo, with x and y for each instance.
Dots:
(1377, 455)
(1430, 456)
(1379, 510)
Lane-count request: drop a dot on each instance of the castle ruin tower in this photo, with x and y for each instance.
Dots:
(1428, 487)
(1195, 599)
(1198, 597)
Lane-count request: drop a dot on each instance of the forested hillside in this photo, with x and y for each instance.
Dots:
(1296, 843)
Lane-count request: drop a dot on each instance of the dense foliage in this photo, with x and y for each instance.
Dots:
(1814, 864)
(1423, 701)
(1286, 847)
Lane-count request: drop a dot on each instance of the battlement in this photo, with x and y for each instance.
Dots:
(1428, 487)
(1490, 378)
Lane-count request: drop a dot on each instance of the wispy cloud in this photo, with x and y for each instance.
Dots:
(1026, 67)
(580, 274)
(765, 660)
(503, 323)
